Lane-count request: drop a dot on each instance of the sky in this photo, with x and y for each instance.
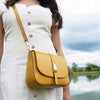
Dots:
(80, 36)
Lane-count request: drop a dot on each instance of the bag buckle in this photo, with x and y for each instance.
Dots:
(55, 67)
(55, 72)
(27, 45)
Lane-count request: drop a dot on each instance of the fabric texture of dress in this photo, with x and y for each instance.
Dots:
(37, 21)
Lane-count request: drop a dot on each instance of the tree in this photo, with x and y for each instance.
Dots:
(92, 67)
(89, 67)
(95, 67)
(82, 69)
(98, 68)
(74, 67)
(70, 73)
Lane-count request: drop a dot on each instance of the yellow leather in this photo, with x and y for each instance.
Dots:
(44, 70)
(40, 72)
(44, 64)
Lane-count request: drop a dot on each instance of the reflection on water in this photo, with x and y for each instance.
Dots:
(86, 96)
(75, 79)
(85, 87)
(92, 77)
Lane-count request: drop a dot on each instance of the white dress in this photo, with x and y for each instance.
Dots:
(37, 21)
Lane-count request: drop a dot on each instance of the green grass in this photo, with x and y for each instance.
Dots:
(87, 73)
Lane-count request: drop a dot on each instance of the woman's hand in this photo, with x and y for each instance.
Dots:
(66, 93)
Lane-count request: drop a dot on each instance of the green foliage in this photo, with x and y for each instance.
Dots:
(92, 77)
(70, 70)
(82, 69)
(98, 68)
(74, 67)
(91, 67)
(70, 73)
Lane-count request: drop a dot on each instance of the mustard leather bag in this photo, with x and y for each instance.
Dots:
(44, 70)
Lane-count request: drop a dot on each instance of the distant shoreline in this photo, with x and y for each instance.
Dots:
(86, 73)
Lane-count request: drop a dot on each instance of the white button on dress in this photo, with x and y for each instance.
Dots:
(37, 22)
(30, 35)
(29, 12)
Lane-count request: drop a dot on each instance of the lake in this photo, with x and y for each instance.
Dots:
(85, 87)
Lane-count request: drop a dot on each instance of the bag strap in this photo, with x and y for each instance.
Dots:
(20, 24)
(21, 27)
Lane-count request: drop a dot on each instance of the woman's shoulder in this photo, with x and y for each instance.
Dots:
(3, 7)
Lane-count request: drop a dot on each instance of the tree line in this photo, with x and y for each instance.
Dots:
(89, 67)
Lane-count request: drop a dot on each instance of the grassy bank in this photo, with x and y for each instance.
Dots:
(86, 73)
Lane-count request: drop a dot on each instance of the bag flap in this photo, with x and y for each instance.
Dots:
(45, 62)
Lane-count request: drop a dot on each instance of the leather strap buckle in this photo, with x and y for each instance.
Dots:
(55, 72)
(27, 45)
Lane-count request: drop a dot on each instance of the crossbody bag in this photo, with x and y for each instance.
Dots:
(44, 70)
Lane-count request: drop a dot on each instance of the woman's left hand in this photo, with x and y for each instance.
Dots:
(66, 93)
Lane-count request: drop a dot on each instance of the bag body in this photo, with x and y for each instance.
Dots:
(46, 70)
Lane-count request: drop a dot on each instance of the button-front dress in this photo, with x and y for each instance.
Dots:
(37, 21)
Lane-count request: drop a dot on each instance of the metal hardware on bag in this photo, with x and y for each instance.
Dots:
(58, 53)
(27, 45)
(55, 67)
(56, 81)
(55, 73)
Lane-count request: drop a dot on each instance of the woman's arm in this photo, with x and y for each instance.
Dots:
(56, 42)
(1, 39)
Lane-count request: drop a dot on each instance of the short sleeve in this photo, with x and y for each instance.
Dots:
(3, 7)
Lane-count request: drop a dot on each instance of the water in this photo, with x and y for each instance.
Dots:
(85, 87)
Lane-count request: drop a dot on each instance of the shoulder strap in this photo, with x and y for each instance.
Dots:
(21, 27)
(20, 24)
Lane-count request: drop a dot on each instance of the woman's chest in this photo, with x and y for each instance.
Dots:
(34, 15)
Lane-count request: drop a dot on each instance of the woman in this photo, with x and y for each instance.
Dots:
(41, 21)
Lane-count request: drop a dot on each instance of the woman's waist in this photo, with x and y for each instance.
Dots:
(20, 47)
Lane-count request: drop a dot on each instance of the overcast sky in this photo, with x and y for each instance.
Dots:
(80, 37)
